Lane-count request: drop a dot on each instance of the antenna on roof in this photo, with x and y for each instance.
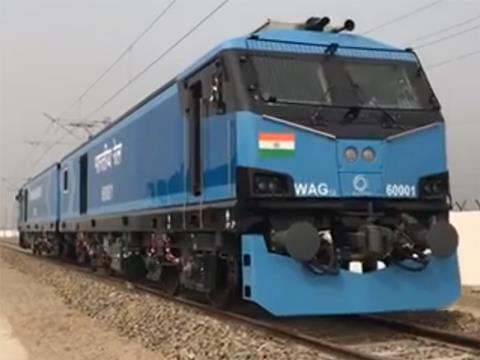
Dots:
(316, 23)
(348, 25)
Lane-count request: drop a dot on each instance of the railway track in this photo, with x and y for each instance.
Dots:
(381, 339)
(359, 337)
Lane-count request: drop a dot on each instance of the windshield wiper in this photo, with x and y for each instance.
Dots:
(391, 120)
(352, 112)
(317, 112)
(273, 99)
(316, 117)
(351, 115)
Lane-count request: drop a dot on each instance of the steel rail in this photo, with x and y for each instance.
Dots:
(271, 327)
(428, 332)
(327, 347)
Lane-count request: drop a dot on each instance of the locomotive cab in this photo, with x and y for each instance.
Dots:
(336, 124)
(341, 167)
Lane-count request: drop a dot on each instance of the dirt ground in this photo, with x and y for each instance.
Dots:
(121, 324)
(49, 330)
(10, 346)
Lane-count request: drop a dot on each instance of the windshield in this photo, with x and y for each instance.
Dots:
(386, 85)
(292, 79)
(341, 81)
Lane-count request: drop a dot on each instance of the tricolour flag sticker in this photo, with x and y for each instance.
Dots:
(276, 144)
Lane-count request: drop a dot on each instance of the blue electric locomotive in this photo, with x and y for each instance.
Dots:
(301, 167)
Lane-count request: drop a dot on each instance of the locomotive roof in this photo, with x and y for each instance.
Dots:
(295, 37)
(37, 176)
(291, 36)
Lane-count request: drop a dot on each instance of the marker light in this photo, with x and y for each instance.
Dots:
(351, 154)
(368, 154)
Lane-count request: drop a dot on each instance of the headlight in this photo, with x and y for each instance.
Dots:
(273, 185)
(270, 185)
(262, 183)
(351, 154)
(434, 186)
(438, 187)
(368, 154)
(427, 188)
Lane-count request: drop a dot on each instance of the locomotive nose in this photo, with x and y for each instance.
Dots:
(300, 240)
(442, 239)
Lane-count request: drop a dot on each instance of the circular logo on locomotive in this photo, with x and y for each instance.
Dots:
(360, 183)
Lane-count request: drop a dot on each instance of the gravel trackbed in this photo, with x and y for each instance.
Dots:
(78, 317)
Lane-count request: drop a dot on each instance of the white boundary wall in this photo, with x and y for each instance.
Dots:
(8, 233)
(468, 227)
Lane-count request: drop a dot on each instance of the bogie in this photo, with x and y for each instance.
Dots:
(204, 266)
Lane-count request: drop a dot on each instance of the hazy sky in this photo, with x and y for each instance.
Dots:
(52, 50)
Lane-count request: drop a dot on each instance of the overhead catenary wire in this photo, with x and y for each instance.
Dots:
(120, 57)
(443, 30)
(405, 16)
(8, 182)
(138, 75)
(25, 163)
(38, 143)
(453, 59)
(157, 59)
(448, 37)
(32, 150)
(57, 122)
(45, 152)
(53, 121)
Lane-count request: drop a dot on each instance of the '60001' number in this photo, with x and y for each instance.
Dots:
(400, 190)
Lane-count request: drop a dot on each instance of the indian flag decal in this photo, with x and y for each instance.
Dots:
(276, 144)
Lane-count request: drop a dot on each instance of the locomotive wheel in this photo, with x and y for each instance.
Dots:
(21, 241)
(227, 289)
(133, 267)
(170, 280)
(107, 265)
(93, 262)
(68, 250)
(82, 257)
(35, 249)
